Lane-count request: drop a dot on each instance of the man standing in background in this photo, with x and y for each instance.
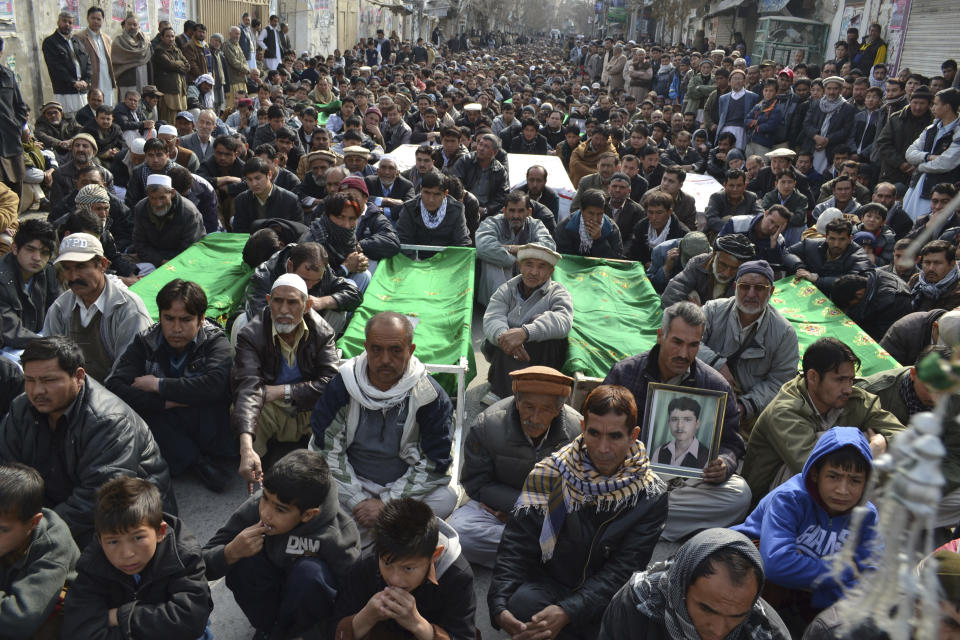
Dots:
(98, 46)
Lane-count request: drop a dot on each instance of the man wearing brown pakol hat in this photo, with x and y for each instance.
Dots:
(528, 319)
(503, 444)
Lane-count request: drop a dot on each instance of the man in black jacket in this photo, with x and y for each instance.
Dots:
(176, 376)
(225, 172)
(530, 140)
(263, 199)
(823, 260)
(558, 563)
(874, 300)
(391, 189)
(536, 187)
(164, 223)
(77, 434)
(484, 176)
(503, 444)
(331, 295)
(68, 65)
(721, 498)
(434, 217)
(28, 283)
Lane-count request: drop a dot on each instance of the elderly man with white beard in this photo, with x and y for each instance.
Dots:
(164, 224)
(285, 358)
(749, 343)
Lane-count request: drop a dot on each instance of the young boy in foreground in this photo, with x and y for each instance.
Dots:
(286, 548)
(142, 576)
(802, 523)
(37, 557)
(417, 585)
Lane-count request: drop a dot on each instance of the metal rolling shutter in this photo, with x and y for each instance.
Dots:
(931, 36)
(724, 29)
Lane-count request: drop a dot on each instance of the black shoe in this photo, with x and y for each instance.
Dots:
(212, 476)
(261, 635)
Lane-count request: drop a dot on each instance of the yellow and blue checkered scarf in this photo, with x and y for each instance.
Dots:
(566, 481)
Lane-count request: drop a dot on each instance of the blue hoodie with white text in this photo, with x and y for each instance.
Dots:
(798, 538)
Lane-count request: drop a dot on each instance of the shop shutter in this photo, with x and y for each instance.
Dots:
(931, 37)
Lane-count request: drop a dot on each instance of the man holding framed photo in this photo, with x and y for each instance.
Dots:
(721, 498)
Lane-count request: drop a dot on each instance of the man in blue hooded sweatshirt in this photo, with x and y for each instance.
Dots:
(802, 523)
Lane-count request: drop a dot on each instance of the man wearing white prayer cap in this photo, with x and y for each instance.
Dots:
(181, 155)
(285, 357)
(164, 224)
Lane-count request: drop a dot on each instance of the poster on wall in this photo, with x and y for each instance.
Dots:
(73, 8)
(180, 9)
(118, 10)
(163, 10)
(143, 16)
(852, 17)
(896, 30)
(8, 21)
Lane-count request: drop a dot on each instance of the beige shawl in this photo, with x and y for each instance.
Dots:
(129, 52)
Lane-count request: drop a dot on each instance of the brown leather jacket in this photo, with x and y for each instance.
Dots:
(258, 363)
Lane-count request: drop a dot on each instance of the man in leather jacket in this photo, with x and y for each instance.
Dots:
(77, 434)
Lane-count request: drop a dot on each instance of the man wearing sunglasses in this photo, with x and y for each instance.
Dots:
(749, 343)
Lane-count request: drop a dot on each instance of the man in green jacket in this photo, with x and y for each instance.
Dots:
(823, 396)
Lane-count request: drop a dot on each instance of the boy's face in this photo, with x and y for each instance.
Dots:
(131, 551)
(405, 573)
(279, 517)
(840, 490)
(15, 533)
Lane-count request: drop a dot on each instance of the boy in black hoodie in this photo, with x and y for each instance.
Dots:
(286, 549)
(143, 575)
(417, 585)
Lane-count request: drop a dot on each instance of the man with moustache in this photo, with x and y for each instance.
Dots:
(97, 311)
(720, 498)
(385, 427)
(503, 444)
(499, 239)
(164, 223)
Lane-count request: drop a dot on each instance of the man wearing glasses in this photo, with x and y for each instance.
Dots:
(749, 343)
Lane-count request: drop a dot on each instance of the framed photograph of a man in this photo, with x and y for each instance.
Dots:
(683, 428)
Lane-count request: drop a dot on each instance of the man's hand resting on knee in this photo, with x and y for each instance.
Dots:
(544, 625)
(367, 512)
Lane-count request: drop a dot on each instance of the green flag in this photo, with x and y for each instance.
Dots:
(215, 263)
(813, 316)
(616, 312)
(437, 295)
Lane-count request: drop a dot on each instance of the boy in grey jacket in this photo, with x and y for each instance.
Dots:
(37, 556)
